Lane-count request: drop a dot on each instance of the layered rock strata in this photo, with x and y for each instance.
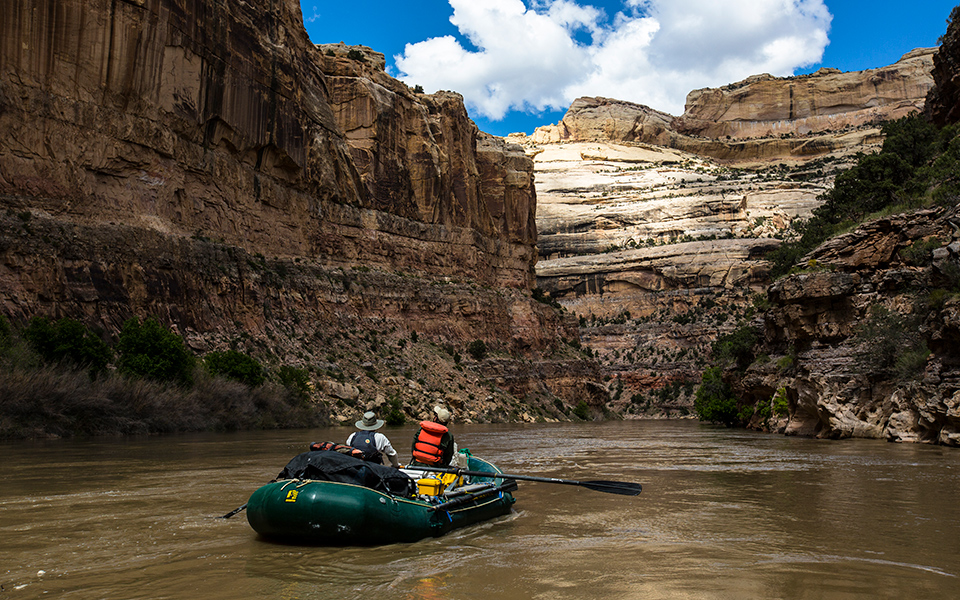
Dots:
(885, 285)
(828, 100)
(762, 118)
(657, 252)
(205, 163)
(653, 229)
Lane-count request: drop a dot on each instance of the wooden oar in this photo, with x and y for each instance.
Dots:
(610, 487)
(234, 511)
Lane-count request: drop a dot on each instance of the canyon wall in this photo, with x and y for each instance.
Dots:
(863, 341)
(653, 229)
(828, 100)
(943, 101)
(863, 344)
(224, 120)
(205, 163)
(762, 119)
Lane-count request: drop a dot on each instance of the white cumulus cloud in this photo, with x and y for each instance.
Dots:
(543, 54)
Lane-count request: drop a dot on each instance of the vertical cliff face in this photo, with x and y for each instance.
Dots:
(943, 101)
(864, 344)
(183, 117)
(204, 162)
(828, 100)
(422, 159)
(223, 119)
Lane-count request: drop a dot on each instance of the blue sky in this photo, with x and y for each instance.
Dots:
(519, 63)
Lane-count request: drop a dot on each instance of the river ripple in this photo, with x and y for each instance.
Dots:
(723, 514)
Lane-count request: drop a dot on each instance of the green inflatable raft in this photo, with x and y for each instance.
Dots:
(323, 506)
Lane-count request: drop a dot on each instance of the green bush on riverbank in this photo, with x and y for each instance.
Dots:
(55, 392)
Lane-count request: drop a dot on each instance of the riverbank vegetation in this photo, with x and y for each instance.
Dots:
(61, 379)
(916, 167)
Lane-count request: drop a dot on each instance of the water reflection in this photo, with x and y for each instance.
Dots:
(723, 514)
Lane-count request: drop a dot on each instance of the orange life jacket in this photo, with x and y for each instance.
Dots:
(426, 446)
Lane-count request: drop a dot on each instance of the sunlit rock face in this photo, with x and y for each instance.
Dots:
(421, 158)
(825, 101)
(763, 118)
(206, 163)
(653, 229)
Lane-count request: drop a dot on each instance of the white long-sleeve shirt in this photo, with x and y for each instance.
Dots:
(383, 446)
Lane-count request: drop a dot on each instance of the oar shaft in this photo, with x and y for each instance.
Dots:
(611, 487)
(490, 475)
(234, 511)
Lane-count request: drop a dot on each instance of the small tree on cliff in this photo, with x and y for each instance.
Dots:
(736, 348)
(152, 351)
(477, 349)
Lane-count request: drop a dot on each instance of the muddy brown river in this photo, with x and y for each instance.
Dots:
(723, 514)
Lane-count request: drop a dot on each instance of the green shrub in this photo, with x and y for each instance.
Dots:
(68, 341)
(785, 363)
(477, 349)
(395, 416)
(920, 252)
(764, 411)
(937, 299)
(237, 366)
(355, 54)
(152, 351)
(890, 345)
(715, 401)
(297, 382)
(735, 348)
(912, 362)
(780, 402)
(582, 411)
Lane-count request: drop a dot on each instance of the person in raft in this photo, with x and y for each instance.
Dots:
(433, 445)
(373, 444)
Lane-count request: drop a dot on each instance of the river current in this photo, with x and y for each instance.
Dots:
(723, 514)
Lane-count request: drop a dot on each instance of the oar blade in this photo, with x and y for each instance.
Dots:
(613, 487)
(233, 512)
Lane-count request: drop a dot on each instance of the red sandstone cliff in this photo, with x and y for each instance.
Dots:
(203, 162)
